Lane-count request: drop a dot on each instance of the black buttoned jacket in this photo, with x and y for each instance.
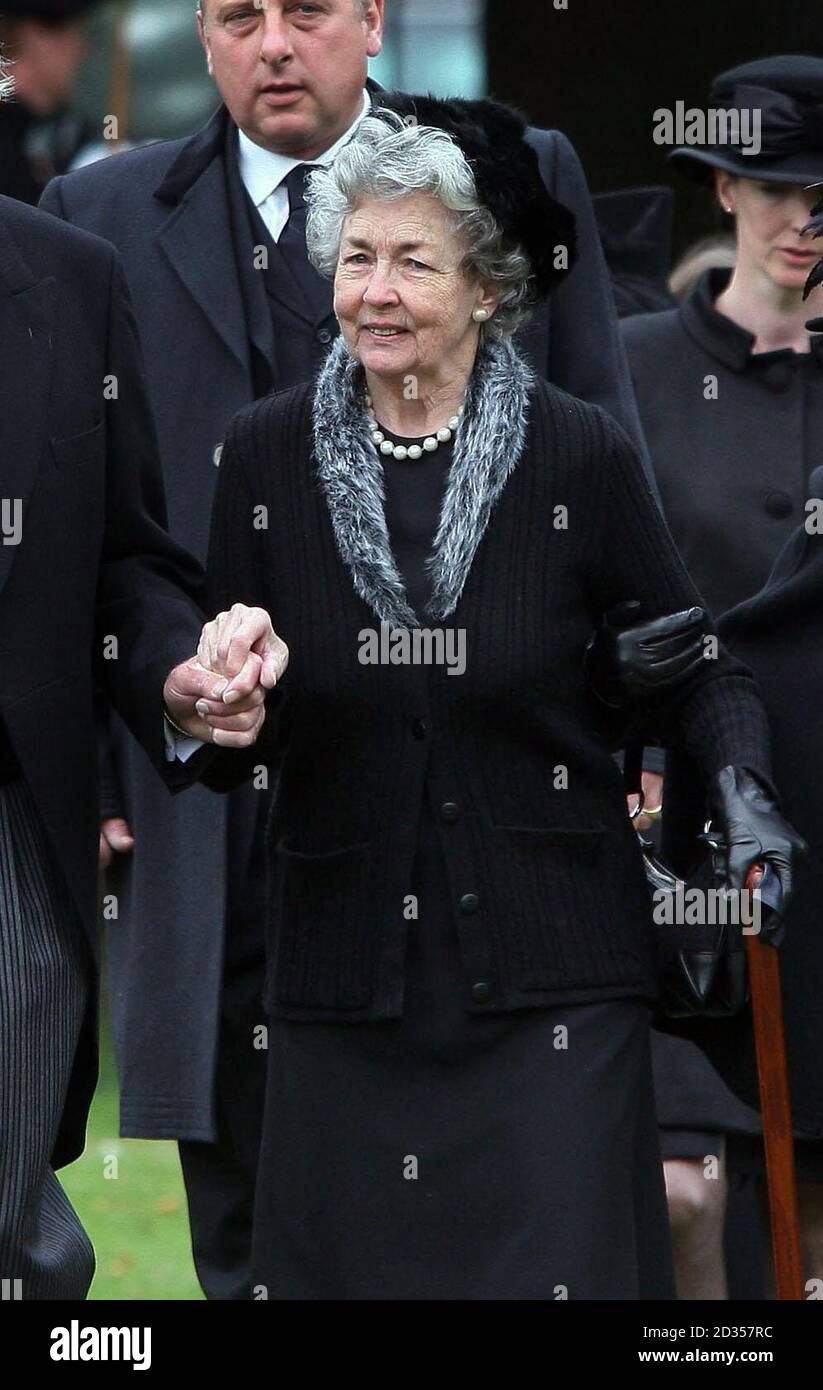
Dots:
(546, 879)
(733, 438)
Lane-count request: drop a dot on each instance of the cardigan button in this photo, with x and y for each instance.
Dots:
(469, 903)
(324, 336)
(419, 728)
(779, 504)
(481, 992)
(450, 812)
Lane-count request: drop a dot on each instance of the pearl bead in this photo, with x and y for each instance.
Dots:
(429, 445)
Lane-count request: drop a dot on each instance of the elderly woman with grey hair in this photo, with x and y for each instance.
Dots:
(460, 967)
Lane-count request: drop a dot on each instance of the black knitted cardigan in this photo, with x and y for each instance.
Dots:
(546, 522)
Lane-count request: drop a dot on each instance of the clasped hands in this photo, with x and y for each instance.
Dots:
(218, 695)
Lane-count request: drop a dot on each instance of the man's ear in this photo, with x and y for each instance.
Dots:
(375, 20)
(204, 39)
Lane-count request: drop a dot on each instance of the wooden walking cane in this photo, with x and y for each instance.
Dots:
(775, 1104)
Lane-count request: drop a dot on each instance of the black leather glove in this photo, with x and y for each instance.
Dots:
(628, 662)
(754, 832)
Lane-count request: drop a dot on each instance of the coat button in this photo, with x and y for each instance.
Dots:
(449, 812)
(217, 455)
(469, 902)
(779, 504)
(324, 335)
(481, 992)
(419, 728)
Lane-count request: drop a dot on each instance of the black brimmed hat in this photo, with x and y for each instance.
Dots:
(506, 172)
(787, 92)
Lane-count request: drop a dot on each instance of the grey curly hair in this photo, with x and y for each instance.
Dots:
(388, 159)
(6, 79)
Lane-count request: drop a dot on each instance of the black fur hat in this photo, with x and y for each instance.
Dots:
(506, 172)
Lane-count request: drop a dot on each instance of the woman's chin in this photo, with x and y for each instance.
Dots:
(386, 361)
(790, 277)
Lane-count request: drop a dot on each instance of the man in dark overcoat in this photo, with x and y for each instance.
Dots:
(94, 595)
(211, 229)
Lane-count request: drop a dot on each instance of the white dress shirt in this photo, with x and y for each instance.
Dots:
(263, 172)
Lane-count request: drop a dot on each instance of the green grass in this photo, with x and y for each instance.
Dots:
(129, 1195)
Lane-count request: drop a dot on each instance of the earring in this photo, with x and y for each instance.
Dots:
(726, 208)
(480, 315)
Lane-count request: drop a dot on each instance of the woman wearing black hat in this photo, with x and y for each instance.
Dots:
(459, 1095)
(730, 390)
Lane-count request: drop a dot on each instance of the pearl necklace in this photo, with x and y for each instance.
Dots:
(411, 451)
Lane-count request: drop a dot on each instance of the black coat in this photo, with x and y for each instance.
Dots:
(166, 209)
(732, 471)
(94, 561)
(546, 878)
(779, 634)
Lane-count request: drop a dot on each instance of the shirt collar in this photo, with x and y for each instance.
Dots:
(715, 332)
(723, 338)
(262, 171)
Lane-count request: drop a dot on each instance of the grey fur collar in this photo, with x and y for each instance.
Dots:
(350, 471)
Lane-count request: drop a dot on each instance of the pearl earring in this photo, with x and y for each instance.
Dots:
(480, 315)
(726, 208)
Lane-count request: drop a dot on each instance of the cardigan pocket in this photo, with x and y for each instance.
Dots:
(287, 848)
(321, 955)
(553, 886)
(560, 836)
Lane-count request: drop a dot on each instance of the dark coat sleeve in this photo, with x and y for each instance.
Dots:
(149, 587)
(111, 795)
(586, 353)
(716, 715)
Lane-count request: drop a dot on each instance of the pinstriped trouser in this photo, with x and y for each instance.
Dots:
(44, 1251)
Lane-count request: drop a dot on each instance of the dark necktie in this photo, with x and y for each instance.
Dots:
(292, 243)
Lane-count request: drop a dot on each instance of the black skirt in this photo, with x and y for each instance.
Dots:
(448, 1156)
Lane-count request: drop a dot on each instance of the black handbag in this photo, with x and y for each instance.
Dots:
(701, 964)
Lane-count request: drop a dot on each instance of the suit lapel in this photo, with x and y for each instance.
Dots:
(258, 314)
(197, 239)
(26, 360)
(310, 299)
